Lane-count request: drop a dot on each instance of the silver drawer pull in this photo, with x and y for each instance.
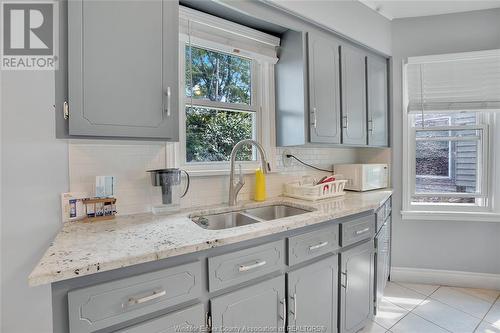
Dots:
(294, 306)
(360, 232)
(317, 246)
(169, 98)
(153, 296)
(244, 268)
(285, 312)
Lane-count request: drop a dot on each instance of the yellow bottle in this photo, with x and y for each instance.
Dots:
(260, 185)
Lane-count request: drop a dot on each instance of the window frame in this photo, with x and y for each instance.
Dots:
(449, 160)
(482, 156)
(261, 104)
(486, 209)
(254, 107)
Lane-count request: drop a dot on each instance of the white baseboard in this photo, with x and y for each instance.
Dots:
(445, 278)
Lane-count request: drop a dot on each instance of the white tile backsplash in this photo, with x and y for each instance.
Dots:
(128, 162)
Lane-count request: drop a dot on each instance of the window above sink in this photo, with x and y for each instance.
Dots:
(226, 84)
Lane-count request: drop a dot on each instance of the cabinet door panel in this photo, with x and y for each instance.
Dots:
(378, 133)
(353, 96)
(382, 263)
(187, 320)
(122, 63)
(312, 295)
(389, 249)
(255, 307)
(356, 290)
(324, 91)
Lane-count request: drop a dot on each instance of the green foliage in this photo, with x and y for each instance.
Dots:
(217, 76)
(211, 134)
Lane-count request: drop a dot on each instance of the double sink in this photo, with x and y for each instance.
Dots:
(247, 216)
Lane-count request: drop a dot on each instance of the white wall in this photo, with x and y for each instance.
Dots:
(454, 245)
(349, 17)
(34, 172)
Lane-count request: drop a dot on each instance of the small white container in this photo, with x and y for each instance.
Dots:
(315, 192)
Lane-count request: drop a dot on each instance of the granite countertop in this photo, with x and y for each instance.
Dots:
(81, 249)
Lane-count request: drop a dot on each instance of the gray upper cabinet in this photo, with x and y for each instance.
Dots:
(353, 74)
(356, 291)
(123, 68)
(378, 122)
(324, 89)
(291, 90)
(329, 91)
(257, 306)
(312, 295)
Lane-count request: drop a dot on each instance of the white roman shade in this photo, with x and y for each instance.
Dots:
(457, 82)
(244, 41)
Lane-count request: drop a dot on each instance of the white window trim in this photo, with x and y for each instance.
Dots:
(262, 104)
(483, 175)
(442, 212)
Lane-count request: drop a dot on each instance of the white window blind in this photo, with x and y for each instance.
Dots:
(466, 81)
(229, 36)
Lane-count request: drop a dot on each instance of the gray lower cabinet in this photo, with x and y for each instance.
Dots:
(240, 266)
(312, 296)
(356, 287)
(123, 68)
(378, 112)
(382, 263)
(103, 305)
(191, 319)
(261, 306)
(353, 74)
(324, 89)
(328, 285)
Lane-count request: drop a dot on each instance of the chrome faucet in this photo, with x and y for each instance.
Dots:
(234, 188)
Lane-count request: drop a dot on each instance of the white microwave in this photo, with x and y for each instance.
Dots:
(363, 177)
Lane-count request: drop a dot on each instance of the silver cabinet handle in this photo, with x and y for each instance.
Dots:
(153, 296)
(317, 246)
(65, 110)
(315, 119)
(344, 275)
(169, 98)
(346, 121)
(370, 125)
(244, 268)
(362, 231)
(283, 302)
(294, 312)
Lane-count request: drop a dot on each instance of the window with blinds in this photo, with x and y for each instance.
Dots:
(454, 84)
(223, 67)
(450, 103)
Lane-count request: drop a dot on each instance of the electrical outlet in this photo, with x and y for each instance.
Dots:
(287, 161)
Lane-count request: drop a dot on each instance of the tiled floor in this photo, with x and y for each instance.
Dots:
(419, 308)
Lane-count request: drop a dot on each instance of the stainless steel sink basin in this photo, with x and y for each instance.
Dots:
(224, 221)
(247, 216)
(274, 212)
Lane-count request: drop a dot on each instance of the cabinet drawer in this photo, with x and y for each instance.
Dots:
(185, 320)
(96, 307)
(312, 244)
(240, 266)
(358, 229)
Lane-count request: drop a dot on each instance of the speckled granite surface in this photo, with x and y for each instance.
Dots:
(85, 248)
